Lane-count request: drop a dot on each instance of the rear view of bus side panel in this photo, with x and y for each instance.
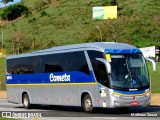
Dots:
(10, 90)
(11, 94)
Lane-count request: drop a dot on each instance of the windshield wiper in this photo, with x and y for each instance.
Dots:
(132, 78)
(131, 73)
(137, 79)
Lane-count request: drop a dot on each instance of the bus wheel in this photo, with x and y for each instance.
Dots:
(87, 104)
(26, 102)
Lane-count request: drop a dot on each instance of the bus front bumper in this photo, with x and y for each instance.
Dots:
(130, 101)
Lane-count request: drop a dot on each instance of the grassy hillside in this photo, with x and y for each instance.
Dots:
(155, 83)
(2, 73)
(70, 21)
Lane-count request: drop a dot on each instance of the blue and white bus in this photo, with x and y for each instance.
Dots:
(101, 74)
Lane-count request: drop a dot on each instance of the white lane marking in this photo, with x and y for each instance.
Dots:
(9, 109)
(3, 100)
(106, 118)
(44, 118)
(19, 109)
(68, 115)
(9, 104)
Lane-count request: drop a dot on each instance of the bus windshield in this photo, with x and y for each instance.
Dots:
(129, 71)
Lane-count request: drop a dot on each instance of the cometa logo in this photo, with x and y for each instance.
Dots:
(59, 78)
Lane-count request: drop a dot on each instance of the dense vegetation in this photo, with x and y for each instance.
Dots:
(2, 73)
(14, 11)
(60, 22)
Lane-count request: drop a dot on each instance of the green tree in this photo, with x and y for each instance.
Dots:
(6, 1)
(14, 11)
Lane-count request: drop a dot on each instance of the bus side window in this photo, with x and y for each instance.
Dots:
(99, 67)
(85, 69)
(53, 68)
(79, 62)
(100, 72)
(66, 62)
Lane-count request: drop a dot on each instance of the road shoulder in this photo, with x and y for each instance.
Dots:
(3, 95)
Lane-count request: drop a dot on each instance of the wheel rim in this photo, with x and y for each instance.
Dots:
(25, 101)
(88, 104)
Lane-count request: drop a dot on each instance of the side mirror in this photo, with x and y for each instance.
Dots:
(153, 63)
(107, 64)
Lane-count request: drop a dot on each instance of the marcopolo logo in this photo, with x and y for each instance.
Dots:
(59, 78)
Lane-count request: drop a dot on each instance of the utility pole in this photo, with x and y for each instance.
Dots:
(2, 38)
(99, 32)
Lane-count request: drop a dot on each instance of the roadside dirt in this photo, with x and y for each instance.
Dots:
(155, 99)
(3, 95)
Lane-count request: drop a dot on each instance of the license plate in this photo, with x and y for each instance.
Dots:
(134, 103)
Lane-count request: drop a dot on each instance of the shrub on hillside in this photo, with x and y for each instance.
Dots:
(39, 5)
(43, 13)
(13, 11)
(27, 13)
(48, 1)
(109, 2)
(32, 20)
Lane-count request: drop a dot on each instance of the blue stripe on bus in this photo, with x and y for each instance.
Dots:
(130, 92)
(122, 51)
(75, 77)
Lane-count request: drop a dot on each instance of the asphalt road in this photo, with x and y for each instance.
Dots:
(67, 113)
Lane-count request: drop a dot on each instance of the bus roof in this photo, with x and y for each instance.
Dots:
(98, 46)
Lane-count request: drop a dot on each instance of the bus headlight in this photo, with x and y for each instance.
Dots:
(148, 94)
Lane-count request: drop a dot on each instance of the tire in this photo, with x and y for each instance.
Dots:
(26, 101)
(87, 104)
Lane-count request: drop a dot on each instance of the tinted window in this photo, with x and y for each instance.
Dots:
(19, 66)
(72, 61)
(99, 67)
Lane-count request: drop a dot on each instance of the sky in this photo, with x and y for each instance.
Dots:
(10, 3)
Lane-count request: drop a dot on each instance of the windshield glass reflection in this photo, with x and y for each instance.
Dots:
(129, 71)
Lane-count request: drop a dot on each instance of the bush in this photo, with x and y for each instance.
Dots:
(109, 2)
(13, 12)
(43, 13)
(27, 13)
(32, 20)
(48, 1)
(38, 5)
